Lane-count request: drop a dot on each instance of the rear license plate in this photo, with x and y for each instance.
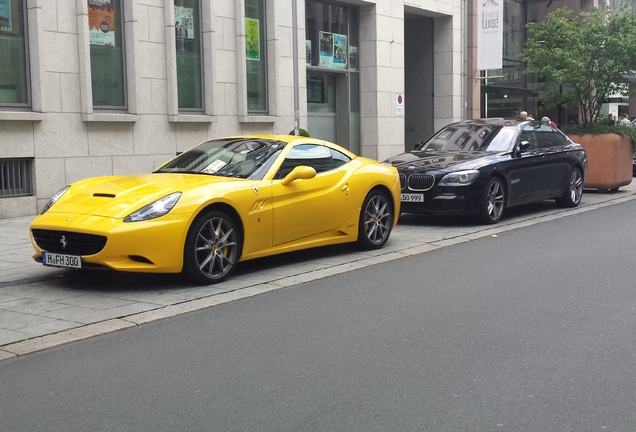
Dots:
(60, 260)
(410, 197)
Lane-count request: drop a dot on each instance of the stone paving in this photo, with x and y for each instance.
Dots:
(41, 307)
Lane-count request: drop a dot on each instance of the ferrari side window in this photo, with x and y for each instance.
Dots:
(316, 156)
(339, 158)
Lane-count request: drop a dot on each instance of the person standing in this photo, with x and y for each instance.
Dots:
(624, 121)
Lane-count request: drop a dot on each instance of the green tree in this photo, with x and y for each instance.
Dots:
(582, 60)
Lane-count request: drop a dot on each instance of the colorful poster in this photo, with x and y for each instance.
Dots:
(252, 39)
(307, 52)
(184, 28)
(353, 57)
(101, 22)
(326, 49)
(333, 50)
(5, 15)
(339, 51)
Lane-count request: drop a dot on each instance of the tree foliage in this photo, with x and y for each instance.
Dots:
(582, 60)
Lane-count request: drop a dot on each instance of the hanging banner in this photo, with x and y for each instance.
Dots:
(5, 15)
(252, 39)
(101, 22)
(490, 35)
(184, 28)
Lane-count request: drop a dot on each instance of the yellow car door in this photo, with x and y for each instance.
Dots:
(309, 206)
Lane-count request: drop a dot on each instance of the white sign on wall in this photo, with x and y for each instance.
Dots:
(399, 100)
(490, 35)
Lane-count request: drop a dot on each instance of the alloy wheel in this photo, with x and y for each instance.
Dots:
(216, 248)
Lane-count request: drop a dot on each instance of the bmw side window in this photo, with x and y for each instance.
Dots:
(546, 136)
(528, 134)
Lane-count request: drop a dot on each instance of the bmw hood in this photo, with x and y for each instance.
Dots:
(118, 196)
(440, 160)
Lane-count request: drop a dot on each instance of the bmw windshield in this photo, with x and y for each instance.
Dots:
(472, 137)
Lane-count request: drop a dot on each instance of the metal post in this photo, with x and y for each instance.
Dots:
(295, 62)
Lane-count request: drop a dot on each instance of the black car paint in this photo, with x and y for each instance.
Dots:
(528, 176)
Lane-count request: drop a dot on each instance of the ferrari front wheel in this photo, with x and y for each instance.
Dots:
(212, 248)
(376, 221)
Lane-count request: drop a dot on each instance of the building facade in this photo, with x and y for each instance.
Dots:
(109, 87)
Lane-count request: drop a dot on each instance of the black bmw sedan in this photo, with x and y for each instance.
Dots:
(481, 167)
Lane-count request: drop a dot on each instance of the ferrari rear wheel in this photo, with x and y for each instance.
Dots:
(212, 248)
(493, 201)
(376, 220)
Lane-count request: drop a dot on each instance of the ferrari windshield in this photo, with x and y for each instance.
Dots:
(472, 137)
(234, 157)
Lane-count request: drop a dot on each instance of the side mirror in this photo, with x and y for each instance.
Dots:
(299, 173)
(524, 145)
(419, 145)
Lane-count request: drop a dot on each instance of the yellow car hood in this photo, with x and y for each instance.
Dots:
(117, 197)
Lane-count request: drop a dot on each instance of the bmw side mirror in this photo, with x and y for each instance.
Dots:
(524, 145)
(419, 145)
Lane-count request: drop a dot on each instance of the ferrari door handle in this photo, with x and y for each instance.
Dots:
(345, 188)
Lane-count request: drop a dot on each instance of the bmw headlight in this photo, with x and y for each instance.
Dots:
(54, 198)
(154, 209)
(459, 178)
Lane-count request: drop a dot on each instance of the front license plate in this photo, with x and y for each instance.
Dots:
(60, 260)
(412, 197)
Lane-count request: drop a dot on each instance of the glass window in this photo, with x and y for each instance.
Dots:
(319, 157)
(256, 55)
(105, 25)
(327, 42)
(187, 32)
(14, 89)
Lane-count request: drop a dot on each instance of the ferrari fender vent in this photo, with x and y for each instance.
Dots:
(66, 242)
(421, 182)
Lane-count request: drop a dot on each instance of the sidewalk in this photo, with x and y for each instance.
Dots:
(41, 307)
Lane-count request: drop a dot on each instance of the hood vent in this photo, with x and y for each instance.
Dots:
(103, 195)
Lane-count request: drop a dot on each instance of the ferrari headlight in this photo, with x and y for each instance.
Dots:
(459, 178)
(154, 209)
(54, 198)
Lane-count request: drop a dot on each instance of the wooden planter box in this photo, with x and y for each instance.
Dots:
(609, 160)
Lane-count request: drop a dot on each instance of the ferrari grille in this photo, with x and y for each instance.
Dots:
(66, 242)
(421, 182)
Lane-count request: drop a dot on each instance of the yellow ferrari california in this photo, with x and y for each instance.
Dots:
(221, 202)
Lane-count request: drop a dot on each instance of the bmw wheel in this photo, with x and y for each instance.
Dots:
(376, 221)
(573, 191)
(212, 248)
(493, 201)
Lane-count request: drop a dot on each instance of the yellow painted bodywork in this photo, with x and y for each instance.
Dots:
(274, 218)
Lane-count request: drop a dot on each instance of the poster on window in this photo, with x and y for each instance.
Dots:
(252, 39)
(339, 51)
(326, 49)
(101, 22)
(353, 57)
(184, 28)
(5, 15)
(333, 50)
(307, 52)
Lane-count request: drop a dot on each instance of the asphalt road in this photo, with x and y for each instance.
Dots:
(532, 330)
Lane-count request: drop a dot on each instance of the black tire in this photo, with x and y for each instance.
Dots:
(493, 202)
(212, 248)
(376, 221)
(573, 191)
